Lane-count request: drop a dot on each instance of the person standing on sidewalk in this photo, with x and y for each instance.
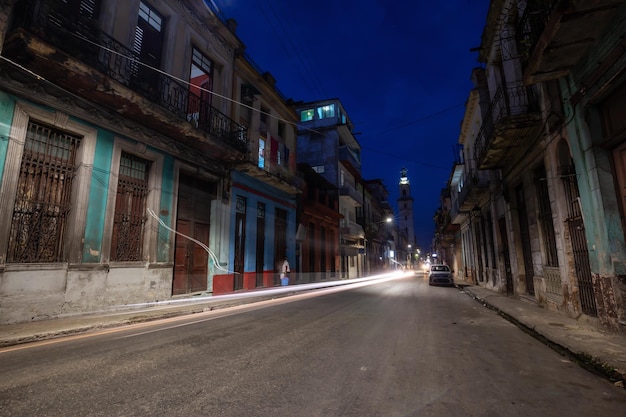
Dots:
(284, 272)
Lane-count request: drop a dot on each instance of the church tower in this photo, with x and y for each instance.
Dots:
(406, 227)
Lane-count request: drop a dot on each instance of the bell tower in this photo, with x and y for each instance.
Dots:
(406, 226)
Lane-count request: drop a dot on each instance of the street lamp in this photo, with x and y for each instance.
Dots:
(409, 261)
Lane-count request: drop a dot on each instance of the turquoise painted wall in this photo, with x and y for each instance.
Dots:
(165, 211)
(593, 161)
(98, 194)
(7, 107)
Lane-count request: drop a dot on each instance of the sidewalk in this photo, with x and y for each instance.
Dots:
(582, 341)
(15, 334)
(592, 348)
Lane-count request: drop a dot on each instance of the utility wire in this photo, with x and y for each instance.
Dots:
(420, 119)
(401, 158)
(302, 59)
(299, 126)
(308, 78)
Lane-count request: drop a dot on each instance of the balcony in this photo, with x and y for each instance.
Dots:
(351, 230)
(350, 160)
(277, 176)
(475, 187)
(72, 53)
(511, 125)
(348, 191)
(549, 36)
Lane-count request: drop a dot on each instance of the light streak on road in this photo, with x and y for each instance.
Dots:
(307, 291)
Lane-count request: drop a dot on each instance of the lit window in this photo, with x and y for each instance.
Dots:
(326, 111)
(261, 153)
(306, 115)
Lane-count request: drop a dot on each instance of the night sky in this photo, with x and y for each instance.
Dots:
(400, 68)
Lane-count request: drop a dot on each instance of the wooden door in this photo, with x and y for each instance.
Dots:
(193, 221)
(199, 259)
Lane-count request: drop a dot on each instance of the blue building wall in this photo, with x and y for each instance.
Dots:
(256, 191)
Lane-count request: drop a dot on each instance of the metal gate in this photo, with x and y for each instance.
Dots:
(505, 252)
(579, 244)
(525, 238)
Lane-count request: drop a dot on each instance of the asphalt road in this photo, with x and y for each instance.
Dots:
(393, 348)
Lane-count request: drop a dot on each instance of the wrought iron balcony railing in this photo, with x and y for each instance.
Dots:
(78, 36)
(476, 183)
(531, 26)
(510, 103)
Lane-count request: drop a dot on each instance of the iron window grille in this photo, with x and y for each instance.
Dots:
(130, 209)
(43, 197)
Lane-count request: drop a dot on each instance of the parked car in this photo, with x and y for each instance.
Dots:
(440, 275)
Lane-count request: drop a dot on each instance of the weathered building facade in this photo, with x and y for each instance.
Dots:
(327, 143)
(318, 228)
(263, 187)
(537, 197)
(377, 218)
(114, 133)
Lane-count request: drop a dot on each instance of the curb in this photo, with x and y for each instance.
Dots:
(582, 359)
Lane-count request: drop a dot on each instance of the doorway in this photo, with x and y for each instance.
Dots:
(193, 220)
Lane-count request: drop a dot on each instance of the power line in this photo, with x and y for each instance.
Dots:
(257, 110)
(420, 119)
(402, 158)
(306, 78)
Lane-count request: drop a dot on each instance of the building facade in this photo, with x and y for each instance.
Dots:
(377, 218)
(327, 143)
(537, 198)
(318, 234)
(263, 188)
(115, 134)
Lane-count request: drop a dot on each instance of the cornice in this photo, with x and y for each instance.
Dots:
(25, 86)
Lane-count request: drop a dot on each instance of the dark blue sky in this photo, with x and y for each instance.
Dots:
(401, 69)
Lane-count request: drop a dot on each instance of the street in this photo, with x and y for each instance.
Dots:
(389, 348)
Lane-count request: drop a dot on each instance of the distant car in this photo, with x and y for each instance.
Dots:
(440, 275)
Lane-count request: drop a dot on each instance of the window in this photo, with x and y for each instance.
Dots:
(42, 201)
(261, 153)
(306, 115)
(264, 118)
(150, 16)
(319, 169)
(130, 209)
(326, 111)
(147, 46)
(281, 129)
(545, 217)
(201, 86)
